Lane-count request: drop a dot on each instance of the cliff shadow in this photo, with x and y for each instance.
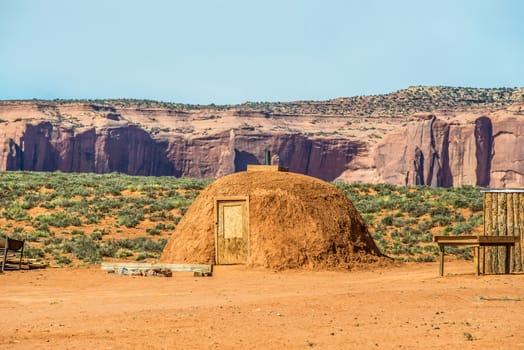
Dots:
(483, 150)
(131, 150)
(35, 151)
(243, 158)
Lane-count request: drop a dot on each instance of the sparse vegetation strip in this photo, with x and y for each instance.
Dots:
(87, 218)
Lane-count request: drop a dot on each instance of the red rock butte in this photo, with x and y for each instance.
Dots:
(435, 136)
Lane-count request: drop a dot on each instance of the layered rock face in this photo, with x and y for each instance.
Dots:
(441, 149)
(43, 147)
(479, 151)
(131, 150)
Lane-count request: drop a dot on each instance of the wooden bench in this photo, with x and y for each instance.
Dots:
(14, 245)
(476, 242)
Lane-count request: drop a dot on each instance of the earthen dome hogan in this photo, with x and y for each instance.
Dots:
(272, 219)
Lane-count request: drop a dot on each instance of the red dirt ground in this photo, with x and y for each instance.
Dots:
(401, 307)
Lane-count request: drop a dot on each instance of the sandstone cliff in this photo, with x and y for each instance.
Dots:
(469, 150)
(470, 138)
(87, 137)
(131, 150)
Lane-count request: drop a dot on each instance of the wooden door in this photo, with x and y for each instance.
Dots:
(232, 230)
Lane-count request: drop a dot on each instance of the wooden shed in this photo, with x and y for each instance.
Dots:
(504, 216)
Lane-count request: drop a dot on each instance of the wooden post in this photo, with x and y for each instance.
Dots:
(491, 212)
(488, 223)
(507, 265)
(483, 260)
(502, 230)
(488, 226)
(476, 253)
(519, 257)
(441, 265)
(509, 224)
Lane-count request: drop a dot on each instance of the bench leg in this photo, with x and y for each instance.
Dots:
(4, 258)
(21, 256)
(507, 265)
(483, 260)
(441, 262)
(476, 257)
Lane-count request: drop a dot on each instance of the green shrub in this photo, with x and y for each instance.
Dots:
(101, 231)
(439, 211)
(96, 236)
(124, 253)
(440, 220)
(425, 258)
(461, 228)
(108, 249)
(153, 231)
(92, 218)
(16, 212)
(475, 220)
(425, 225)
(400, 222)
(36, 235)
(58, 219)
(63, 260)
(143, 256)
(55, 241)
(387, 220)
(130, 218)
(414, 209)
(84, 248)
(18, 233)
(33, 252)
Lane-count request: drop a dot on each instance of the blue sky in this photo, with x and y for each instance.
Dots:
(222, 52)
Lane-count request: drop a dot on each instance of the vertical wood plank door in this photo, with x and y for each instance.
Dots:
(504, 216)
(232, 231)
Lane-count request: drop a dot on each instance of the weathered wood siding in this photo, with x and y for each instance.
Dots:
(504, 216)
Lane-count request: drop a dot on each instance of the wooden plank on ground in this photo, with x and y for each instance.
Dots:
(201, 268)
(14, 266)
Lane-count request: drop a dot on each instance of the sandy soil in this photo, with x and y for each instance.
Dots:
(406, 307)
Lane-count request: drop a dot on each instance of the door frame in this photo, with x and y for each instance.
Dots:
(216, 201)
